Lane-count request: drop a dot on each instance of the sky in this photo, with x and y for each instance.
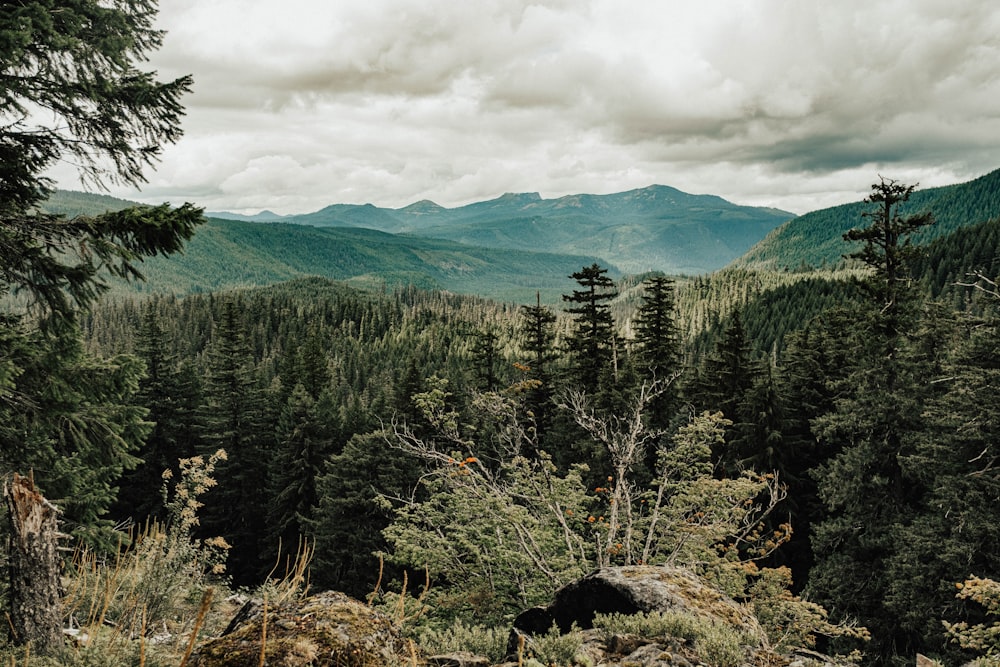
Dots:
(794, 104)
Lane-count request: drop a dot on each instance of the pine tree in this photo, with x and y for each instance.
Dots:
(956, 528)
(724, 383)
(171, 399)
(307, 432)
(486, 358)
(73, 420)
(72, 91)
(658, 347)
(591, 345)
(233, 418)
(538, 341)
(873, 426)
(348, 522)
(888, 250)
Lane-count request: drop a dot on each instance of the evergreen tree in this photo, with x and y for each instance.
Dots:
(71, 420)
(656, 335)
(350, 517)
(956, 529)
(873, 426)
(72, 91)
(591, 344)
(486, 357)
(658, 346)
(724, 383)
(538, 340)
(171, 398)
(888, 250)
(307, 432)
(233, 418)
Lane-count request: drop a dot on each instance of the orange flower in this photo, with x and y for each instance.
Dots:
(590, 519)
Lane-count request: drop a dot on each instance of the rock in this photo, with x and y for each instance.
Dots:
(325, 630)
(629, 590)
(458, 659)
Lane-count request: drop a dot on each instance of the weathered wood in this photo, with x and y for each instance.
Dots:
(35, 591)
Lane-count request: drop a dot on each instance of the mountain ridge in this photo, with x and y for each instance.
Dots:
(815, 239)
(657, 227)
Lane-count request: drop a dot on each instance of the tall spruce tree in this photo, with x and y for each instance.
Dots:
(308, 430)
(171, 397)
(233, 418)
(873, 425)
(725, 381)
(956, 527)
(71, 91)
(538, 340)
(592, 342)
(658, 346)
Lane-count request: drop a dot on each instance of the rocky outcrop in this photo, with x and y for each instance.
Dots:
(325, 630)
(718, 631)
(629, 590)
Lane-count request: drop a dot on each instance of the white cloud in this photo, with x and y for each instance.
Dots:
(306, 102)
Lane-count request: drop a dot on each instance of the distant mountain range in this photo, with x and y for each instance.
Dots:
(657, 228)
(490, 248)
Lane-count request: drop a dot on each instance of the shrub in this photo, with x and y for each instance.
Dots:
(715, 642)
(488, 642)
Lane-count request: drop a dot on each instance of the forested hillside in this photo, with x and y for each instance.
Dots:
(376, 421)
(814, 240)
(654, 228)
(227, 254)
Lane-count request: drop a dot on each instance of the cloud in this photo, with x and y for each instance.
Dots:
(304, 103)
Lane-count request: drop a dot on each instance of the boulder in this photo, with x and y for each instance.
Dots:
(629, 590)
(325, 630)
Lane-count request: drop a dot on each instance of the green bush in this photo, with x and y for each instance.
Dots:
(717, 643)
(484, 641)
(556, 648)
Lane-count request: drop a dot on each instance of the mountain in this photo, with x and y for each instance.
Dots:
(263, 216)
(71, 203)
(816, 239)
(654, 228)
(232, 253)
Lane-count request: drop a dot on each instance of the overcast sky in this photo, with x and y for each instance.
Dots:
(797, 104)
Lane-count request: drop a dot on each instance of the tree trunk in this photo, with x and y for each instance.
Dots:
(35, 592)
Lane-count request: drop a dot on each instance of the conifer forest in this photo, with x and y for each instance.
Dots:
(818, 442)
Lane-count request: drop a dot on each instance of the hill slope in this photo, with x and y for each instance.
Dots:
(655, 228)
(816, 239)
(230, 253)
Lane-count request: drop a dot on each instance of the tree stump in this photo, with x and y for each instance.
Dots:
(35, 591)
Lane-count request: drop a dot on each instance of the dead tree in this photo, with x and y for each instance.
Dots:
(35, 591)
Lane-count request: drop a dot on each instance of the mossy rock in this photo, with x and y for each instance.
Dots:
(325, 630)
(633, 589)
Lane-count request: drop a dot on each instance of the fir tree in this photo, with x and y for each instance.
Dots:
(307, 431)
(538, 341)
(658, 346)
(864, 489)
(233, 418)
(171, 396)
(591, 345)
